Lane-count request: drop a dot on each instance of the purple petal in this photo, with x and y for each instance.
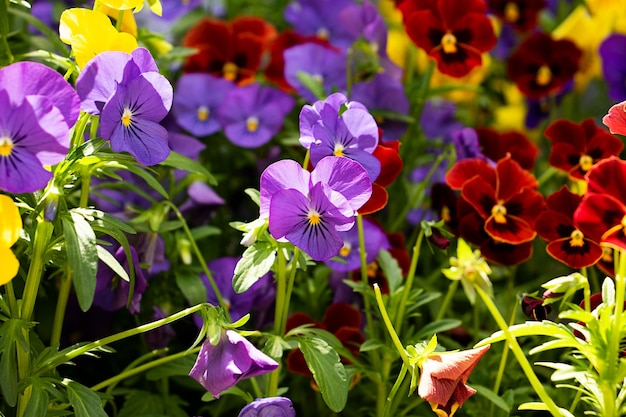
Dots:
(279, 176)
(346, 177)
(21, 172)
(269, 407)
(367, 160)
(361, 125)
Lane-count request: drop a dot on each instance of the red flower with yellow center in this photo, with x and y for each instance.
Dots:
(576, 148)
(520, 14)
(541, 66)
(453, 32)
(566, 243)
(232, 50)
(496, 145)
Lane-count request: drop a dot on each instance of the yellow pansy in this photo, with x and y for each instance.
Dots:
(10, 228)
(129, 25)
(512, 115)
(90, 32)
(122, 4)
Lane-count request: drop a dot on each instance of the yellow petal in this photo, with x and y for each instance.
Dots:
(155, 6)
(10, 265)
(122, 4)
(10, 223)
(129, 24)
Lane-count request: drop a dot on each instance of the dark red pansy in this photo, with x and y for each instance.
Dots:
(453, 32)
(566, 243)
(522, 15)
(390, 167)
(232, 50)
(541, 65)
(496, 145)
(443, 201)
(533, 308)
(576, 148)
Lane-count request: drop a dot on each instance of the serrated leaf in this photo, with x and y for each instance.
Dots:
(493, 397)
(106, 257)
(328, 371)
(255, 262)
(437, 327)
(178, 161)
(85, 402)
(82, 256)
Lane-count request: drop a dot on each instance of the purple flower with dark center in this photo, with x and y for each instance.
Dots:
(384, 93)
(131, 98)
(269, 407)
(320, 18)
(112, 291)
(326, 66)
(253, 114)
(196, 100)
(309, 209)
(438, 120)
(233, 359)
(613, 54)
(375, 240)
(352, 133)
(37, 108)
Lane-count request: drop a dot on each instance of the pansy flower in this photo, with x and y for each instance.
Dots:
(269, 406)
(253, 114)
(615, 120)
(541, 65)
(232, 50)
(576, 148)
(523, 15)
(196, 100)
(38, 106)
(613, 54)
(320, 18)
(566, 242)
(438, 120)
(231, 360)
(10, 228)
(601, 215)
(309, 209)
(496, 145)
(388, 154)
(131, 97)
(350, 253)
(454, 33)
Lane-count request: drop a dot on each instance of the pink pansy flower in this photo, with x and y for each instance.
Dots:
(616, 119)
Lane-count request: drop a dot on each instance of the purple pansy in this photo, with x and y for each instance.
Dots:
(309, 209)
(269, 407)
(438, 120)
(328, 131)
(131, 97)
(233, 359)
(320, 18)
(375, 240)
(466, 144)
(613, 54)
(37, 109)
(324, 65)
(196, 102)
(252, 115)
(387, 94)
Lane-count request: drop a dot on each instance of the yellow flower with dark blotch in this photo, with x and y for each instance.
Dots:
(10, 228)
(90, 32)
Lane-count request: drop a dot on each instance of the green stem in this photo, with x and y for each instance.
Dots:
(120, 19)
(59, 314)
(57, 360)
(446, 301)
(394, 390)
(519, 354)
(40, 245)
(134, 371)
(291, 279)
(409, 281)
(364, 278)
(503, 360)
(10, 292)
(279, 320)
(394, 336)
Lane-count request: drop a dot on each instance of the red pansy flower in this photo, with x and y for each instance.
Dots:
(390, 168)
(601, 214)
(565, 242)
(453, 32)
(340, 319)
(541, 66)
(615, 120)
(232, 50)
(496, 145)
(521, 14)
(576, 148)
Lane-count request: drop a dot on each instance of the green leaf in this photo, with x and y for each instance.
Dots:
(38, 403)
(192, 287)
(392, 270)
(142, 404)
(82, 255)
(530, 328)
(256, 261)
(106, 257)
(328, 371)
(313, 85)
(177, 367)
(254, 195)
(147, 177)
(493, 397)
(178, 161)
(86, 403)
(437, 327)
(538, 406)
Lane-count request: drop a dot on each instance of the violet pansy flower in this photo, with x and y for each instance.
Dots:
(269, 407)
(252, 115)
(612, 51)
(196, 102)
(320, 18)
(131, 97)
(375, 240)
(233, 359)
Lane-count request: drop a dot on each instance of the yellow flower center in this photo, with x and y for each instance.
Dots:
(448, 43)
(544, 75)
(323, 33)
(6, 146)
(499, 213)
(345, 250)
(252, 124)
(607, 255)
(203, 113)
(511, 12)
(338, 149)
(314, 217)
(230, 71)
(126, 117)
(576, 239)
(586, 162)
(445, 214)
